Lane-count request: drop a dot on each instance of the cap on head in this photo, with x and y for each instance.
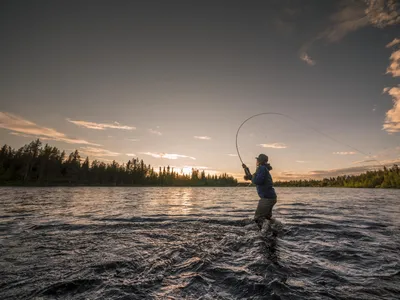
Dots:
(262, 158)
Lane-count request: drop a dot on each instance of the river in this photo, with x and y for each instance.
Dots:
(197, 243)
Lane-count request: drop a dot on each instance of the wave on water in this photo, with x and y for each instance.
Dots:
(145, 258)
(312, 252)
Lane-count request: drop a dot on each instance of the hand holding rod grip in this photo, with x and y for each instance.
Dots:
(247, 171)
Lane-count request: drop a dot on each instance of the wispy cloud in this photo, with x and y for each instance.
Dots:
(394, 67)
(274, 145)
(133, 140)
(384, 157)
(353, 15)
(103, 159)
(155, 132)
(233, 155)
(344, 153)
(301, 161)
(305, 57)
(319, 174)
(101, 126)
(393, 43)
(167, 155)
(392, 120)
(344, 171)
(131, 154)
(27, 135)
(97, 152)
(350, 17)
(23, 127)
(202, 137)
(364, 161)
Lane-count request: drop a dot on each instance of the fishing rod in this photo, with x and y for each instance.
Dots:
(247, 171)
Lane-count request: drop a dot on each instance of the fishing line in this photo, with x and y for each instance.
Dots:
(304, 125)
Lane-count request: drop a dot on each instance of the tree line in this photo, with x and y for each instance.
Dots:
(384, 178)
(34, 164)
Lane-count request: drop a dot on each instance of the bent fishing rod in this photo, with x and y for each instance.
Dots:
(246, 169)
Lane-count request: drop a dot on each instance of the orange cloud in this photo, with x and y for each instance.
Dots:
(394, 67)
(382, 13)
(274, 145)
(166, 155)
(22, 127)
(344, 153)
(393, 43)
(155, 132)
(392, 120)
(101, 126)
(92, 151)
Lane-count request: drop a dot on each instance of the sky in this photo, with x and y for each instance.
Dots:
(170, 82)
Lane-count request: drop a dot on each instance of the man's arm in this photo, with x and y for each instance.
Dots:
(259, 176)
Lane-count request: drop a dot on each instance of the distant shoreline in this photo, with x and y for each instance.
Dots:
(105, 185)
(244, 185)
(35, 165)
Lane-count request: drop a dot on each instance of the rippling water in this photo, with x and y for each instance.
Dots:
(197, 243)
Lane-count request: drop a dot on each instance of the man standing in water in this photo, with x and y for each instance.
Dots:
(263, 180)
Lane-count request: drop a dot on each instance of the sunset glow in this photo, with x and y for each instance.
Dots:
(144, 81)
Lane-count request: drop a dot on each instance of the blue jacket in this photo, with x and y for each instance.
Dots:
(262, 178)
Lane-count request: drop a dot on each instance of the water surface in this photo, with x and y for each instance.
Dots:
(197, 243)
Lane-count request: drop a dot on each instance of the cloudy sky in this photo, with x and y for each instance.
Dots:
(171, 81)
